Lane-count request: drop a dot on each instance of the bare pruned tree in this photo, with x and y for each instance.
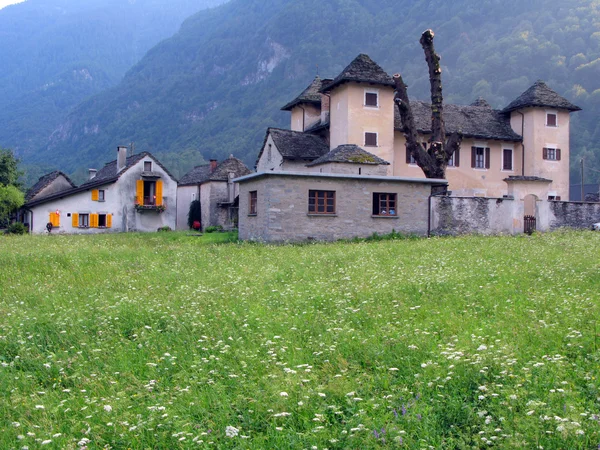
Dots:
(433, 156)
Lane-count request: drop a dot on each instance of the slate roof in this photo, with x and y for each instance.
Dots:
(348, 153)
(481, 122)
(362, 69)
(309, 95)
(108, 174)
(44, 182)
(527, 178)
(296, 145)
(202, 174)
(542, 96)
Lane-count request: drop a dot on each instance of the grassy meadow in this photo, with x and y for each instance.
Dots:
(168, 341)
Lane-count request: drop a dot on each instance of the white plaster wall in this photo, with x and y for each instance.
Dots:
(119, 201)
(185, 196)
(276, 161)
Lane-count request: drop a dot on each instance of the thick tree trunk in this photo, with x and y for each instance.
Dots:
(433, 157)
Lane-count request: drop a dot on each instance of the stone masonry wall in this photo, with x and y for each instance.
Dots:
(574, 214)
(282, 209)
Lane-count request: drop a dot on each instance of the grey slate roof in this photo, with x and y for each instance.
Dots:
(527, 178)
(202, 174)
(309, 95)
(542, 96)
(362, 69)
(44, 182)
(349, 153)
(481, 122)
(296, 145)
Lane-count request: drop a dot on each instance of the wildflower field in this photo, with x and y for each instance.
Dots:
(167, 341)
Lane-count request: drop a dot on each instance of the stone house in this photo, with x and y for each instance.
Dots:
(213, 185)
(346, 150)
(135, 193)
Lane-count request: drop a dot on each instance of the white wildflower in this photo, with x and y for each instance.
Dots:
(231, 431)
(283, 394)
(107, 408)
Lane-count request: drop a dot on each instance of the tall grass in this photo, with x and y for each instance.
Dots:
(172, 341)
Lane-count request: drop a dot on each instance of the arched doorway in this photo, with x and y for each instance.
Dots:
(531, 213)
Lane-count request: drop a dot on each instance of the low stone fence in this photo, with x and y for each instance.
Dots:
(574, 214)
(483, 215)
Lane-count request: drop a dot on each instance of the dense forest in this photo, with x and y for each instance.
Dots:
(213, 88)
(56, 53)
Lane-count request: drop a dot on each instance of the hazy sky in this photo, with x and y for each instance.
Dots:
(4, 3)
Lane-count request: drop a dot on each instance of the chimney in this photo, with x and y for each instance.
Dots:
(324, 108)
(213, 165)
(121, 158)
(93, 173)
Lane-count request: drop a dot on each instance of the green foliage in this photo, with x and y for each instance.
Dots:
(453, 343)
(9, 168)
(194, 213)
(213, 229)
(11, 199)
(16, 228)
(165, 228)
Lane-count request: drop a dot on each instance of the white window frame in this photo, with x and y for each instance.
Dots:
(552, 147)
(512, 156)
(482, 145)
(80, 217)
(371, 91)
(453, 166)
(552, 111)
(147, 162)
(376, 138)
(101, 195)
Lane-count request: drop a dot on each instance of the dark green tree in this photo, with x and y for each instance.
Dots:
(194, 214)
(9, 168)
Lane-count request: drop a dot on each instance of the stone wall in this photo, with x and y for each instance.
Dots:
(282, 207)
(574, 214)
(482, 215)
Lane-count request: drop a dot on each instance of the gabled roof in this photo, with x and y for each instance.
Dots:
(295, 145)
(481, 122)
(202, 174)
(540, 95)
(362, 69)
(44, 182)
(348, 153)
(108, 174)
(309, 95)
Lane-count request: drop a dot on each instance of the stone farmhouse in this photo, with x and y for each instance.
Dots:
(342, 166)
(135, 193)
(213, 185)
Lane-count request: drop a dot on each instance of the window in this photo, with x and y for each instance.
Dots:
(555, 198)
(101, 220)
(410, 159)
(372, 99)
(370, 139)
(507, 159)
(321, 202)
(551, 119)
(480, 157)
(84, 220)
(253, 200)
(384, 204)
(269, 153)
(147, 166)
(551, 154)
(454, 160)
(101, 195)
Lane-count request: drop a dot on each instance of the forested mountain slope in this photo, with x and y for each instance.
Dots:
(56, 53)
(214, 87)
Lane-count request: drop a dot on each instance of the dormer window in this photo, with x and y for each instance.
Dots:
(551, 119)
(370, 139)
(372, 98)
(147, 166)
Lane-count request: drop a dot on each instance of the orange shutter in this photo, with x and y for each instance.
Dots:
(51, 218)
(75, 220)
(139, 192)
(159, 193)
(54, 219)
(93, 220)
(108, 220)
(95, 195)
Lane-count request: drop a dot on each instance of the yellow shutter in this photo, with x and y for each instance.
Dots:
(159, 193)
(93, 220)
(139, 192)
(108, 220)
(95, 195)
(51, 218)
(54, 219)
(75, 220)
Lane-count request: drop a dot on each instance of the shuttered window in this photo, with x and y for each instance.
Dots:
(454, 160)
(371, 99)
(551, 154)
(54, 219)
(480, 157)
(159, 193)
(75, 220)
(139, 192)
(370, 139)
(507, 159)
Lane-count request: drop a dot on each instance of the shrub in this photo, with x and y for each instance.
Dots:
(16, 228)
(213, 228)
(165, 228)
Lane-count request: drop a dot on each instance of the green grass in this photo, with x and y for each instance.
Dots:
(164, 340)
